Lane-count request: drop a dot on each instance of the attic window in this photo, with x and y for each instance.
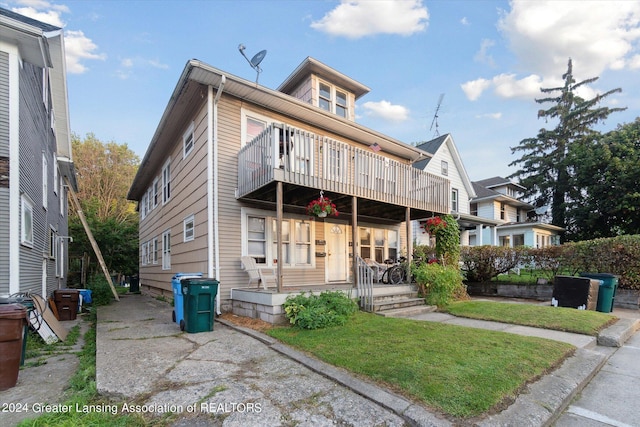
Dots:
(324, 99)
(445, 168)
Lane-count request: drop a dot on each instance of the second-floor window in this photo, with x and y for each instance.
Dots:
(188, 141)
(503, 212)
(333, 100)
(454, 200)
(189, 227)
(166, 182)
(473, 207)
(27, 222)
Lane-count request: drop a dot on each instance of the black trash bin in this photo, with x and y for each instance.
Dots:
(199, 304)
(575, 292)
(134, 283)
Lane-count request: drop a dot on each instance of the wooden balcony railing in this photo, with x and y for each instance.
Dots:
(291, 155)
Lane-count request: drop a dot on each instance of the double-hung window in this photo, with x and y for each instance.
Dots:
(189, 227)
(378, 243)
(166, 250)
(26, 236)
(341, 104)
(166, 182)
(188, 141)
(324, 97)
(333, 100)
(45, 181)
(454, 199)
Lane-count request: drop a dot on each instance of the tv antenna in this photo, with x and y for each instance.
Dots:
(435, 116)
(255, 61)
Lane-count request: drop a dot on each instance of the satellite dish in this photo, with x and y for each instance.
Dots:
(257, 58)
(255, 61)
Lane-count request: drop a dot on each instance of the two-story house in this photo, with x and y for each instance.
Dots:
(35, 156)
(445, 161)
(519, 224)
(233, 165)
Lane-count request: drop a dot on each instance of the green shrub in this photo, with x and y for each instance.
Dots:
(439, 284)
(101, 293)
(319, 311)
(482, 263)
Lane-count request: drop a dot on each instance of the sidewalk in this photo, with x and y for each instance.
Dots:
(247, 378)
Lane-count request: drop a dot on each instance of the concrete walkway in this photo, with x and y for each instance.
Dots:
(237, 376)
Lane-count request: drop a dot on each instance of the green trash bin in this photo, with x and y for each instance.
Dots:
(199, 296)
(607, 290)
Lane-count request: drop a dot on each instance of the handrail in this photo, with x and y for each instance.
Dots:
(365, 285)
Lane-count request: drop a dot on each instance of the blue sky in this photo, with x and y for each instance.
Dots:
(489, 59)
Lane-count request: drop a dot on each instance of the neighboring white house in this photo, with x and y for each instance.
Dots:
(35, 156)
(519, 222)
(489, 211)
(446, 162)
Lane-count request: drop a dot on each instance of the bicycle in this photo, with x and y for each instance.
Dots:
(395, 272)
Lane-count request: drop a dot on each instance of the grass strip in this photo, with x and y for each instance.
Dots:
(564, 319)
(459, 371)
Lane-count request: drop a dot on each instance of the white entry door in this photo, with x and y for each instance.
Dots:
(337, 265)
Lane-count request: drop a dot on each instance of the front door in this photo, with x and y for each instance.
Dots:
(336, 235)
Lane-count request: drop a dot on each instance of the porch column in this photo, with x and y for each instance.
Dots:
(464, 238)
(279, 234)
(479, 235)
(407, 219)
(354, 240)
(494, 236)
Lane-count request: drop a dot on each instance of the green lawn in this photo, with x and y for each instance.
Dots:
(459, 371)
(557, 318)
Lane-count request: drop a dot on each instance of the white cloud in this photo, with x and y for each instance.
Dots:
(473, 89)
(79, 47)
(507, 86)
(128, 65)
(359, 18)
(483, 55)
(495, 116)
(597, 35)
(465, 21)
(386, 111)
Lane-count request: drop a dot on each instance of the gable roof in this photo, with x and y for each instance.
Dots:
(498, 181)
(432, 148)
(484, 193)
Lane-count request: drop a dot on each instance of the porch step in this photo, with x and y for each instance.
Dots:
(395, 303)
(408, 311)
(392, 296)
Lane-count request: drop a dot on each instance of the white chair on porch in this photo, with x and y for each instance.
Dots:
(259, 274)
(378, 269)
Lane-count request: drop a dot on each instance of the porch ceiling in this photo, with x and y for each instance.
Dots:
(296, 198)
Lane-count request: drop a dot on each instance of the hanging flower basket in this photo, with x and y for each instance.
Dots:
(434, 225)
(321, 207)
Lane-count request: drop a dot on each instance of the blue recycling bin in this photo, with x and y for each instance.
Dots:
(178, 299)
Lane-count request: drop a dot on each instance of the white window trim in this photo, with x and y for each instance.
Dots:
(45, 181)
(334, 99)
(244, 114)
(155, 187)
(372, 246)
(189, 135)
(53, 249)
(457, 200)
(154, 248)
(190, 219)
(56, 175)
(269, 238)
(166, 182)
(166, 251)
(26, 205)
(143, 206)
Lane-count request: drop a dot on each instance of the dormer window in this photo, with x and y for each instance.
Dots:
(332, 99)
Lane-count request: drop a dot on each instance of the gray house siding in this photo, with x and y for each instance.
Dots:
(4, 166)
(37, 140)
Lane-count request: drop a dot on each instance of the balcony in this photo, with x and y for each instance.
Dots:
(304, 161)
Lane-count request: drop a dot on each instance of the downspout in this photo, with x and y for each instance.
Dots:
(213, 234)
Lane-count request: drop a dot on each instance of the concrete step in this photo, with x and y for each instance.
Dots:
(408, 311)
(405, 294)
(397, 303)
